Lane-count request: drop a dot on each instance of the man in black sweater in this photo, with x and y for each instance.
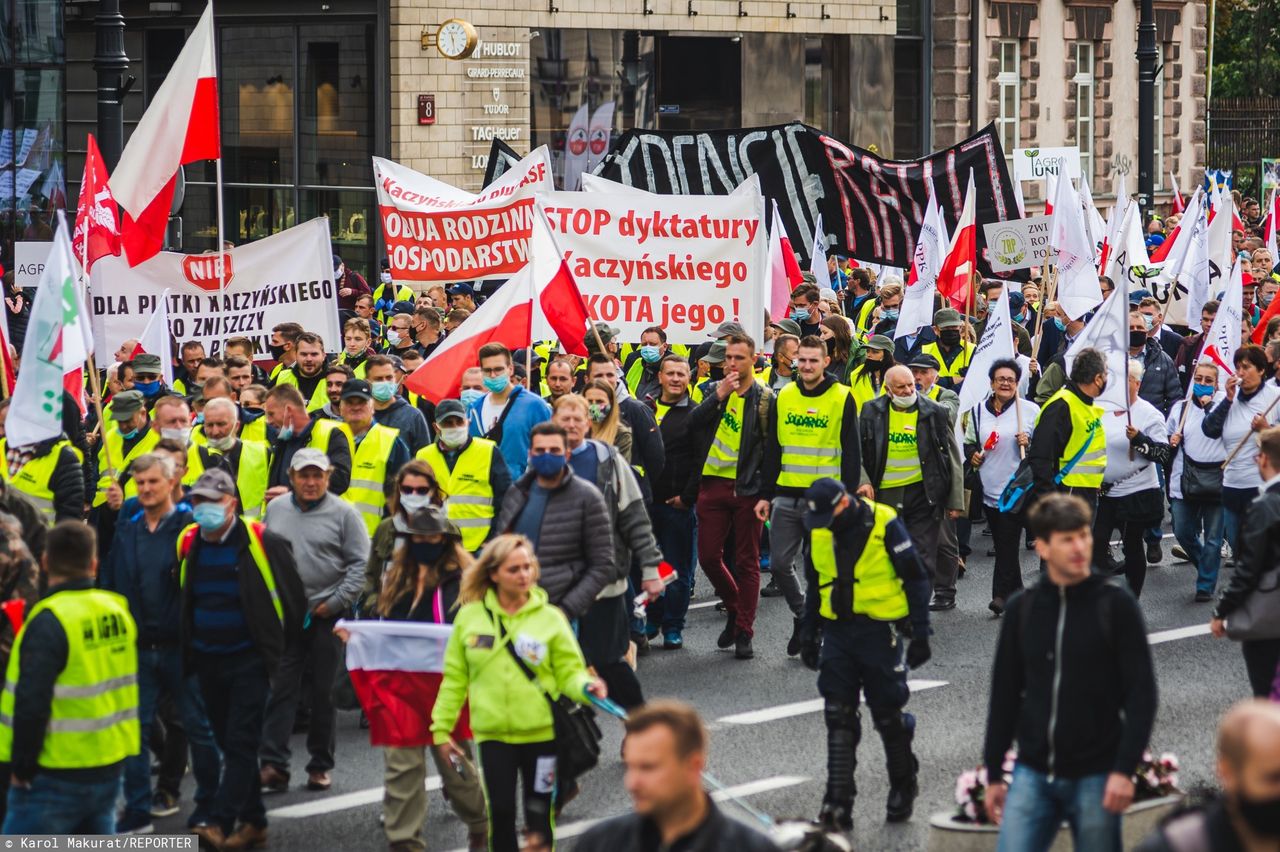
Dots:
(1073, 682)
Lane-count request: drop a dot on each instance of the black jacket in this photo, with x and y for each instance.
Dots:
(635, 833)
(269, 636)
(939, 455)
(647, 451)
(1208, 825)
(1259, 550)
(1073, 682)
(705, 419)
(143, 566)
(850, 449)
(339, 454)
(1160, 385)
(682, 445)
(1052, 432)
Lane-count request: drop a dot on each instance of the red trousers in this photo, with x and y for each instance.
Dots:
(721, 514)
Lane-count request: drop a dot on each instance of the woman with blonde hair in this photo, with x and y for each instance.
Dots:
(511, 653)
(606, 423)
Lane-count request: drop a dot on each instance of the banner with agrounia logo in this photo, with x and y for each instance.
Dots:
(287, 277)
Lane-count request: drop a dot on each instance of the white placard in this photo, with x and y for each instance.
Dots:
(1018, 243)
(1037, 163)
(28, 258)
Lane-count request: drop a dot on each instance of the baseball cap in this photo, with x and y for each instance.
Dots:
(462, 288)
(146, 363)
(948, 318)
(725, 329)
(213, 484)
(881, 342)
(403, 308)
(924, 362)
(356, 389)
(450, 408)
(715, 355)
(309, 457)
(828, 294)
(821, 499)
(336, 261)
(1016, 302)
(126, 404)
(787, 326)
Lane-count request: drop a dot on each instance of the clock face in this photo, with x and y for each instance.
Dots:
(452, 39)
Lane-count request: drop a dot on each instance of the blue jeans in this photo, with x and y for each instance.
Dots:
(56, 806)
(1189, 518)
(673, 529)
(160, 672)
(1037, 807)
(1235, 502)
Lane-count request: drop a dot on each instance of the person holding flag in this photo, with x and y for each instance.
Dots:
(1068, 451)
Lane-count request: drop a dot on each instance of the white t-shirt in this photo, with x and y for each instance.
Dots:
(490, 412)
(1195, 443)
(1242, 472)
(1000, 462)
(1137, 474)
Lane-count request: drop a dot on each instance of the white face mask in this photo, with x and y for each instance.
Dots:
(385, 277)
(182, 435)
(903, 402)
(454, 436)
(413, 502)
(221, 444)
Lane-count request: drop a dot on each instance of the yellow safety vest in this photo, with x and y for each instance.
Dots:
(809, 434)
(932, 393)
(403, 294)
(634, 373)
(661, 408)
(33, 478)
(359, 371)
(115, 441)
(958, 363)
(319, 396)
(902, 464)
(254, 529)
(179, 387)
(875, 590)
(722, 460)
(470, 496)
(863, 389)
(865, 310)
(93, 718)
(369, 471)
(255, 431)
(1086, 425)
(251, 475)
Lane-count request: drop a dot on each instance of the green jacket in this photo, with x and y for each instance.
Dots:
(478, 669)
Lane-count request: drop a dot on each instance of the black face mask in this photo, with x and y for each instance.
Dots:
(716, 373)
(276, 351)
(1137, 339)
(1262, 815)
(426, 552)
(831, 346)
(877, 366)
(949, 336)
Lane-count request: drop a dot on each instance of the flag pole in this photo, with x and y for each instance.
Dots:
(95, 384)
(1249, 434)
(1050, 291)
(222, 259)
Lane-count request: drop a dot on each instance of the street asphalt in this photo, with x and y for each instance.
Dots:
(768, 741)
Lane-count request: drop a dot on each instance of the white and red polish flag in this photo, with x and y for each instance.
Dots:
(1273, 213)
(784, 272)
(180, 126)
(96, 234)
(955, 279)
(154, 339)
(396, 668)
(540, 302)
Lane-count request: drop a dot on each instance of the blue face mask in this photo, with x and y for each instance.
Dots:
(1198, 390)
(383, 391)
(130, 435)
(650, 354)
(889, 314)
(1059, 324)
(800, 315)
(147, 389)
(497, 384)
(210, 516)
(547, 466)
(200, 418)
(470, 395)
(285, 433)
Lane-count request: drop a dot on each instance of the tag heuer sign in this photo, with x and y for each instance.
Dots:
(1018, 244)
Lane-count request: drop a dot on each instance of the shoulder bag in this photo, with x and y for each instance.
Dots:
(1258, 616)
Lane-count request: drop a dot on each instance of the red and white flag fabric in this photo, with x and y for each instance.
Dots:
(1115, 218)
(97, 234)
(955, 279)
(55, 350)
(155, 338)
(784, 271)
(396, 668)
(541, 301)
(918, 295)
(818, 256)
(7, 371)
(1223, 339)
(180, 126)
(1273, 216)
(1178, 204)
(1093, 222)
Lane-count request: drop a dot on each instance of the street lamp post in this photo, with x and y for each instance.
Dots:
(1146, 107)
(110, 61)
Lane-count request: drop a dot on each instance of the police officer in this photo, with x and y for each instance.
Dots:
(75, 660)
(247, 462)
(873, 594)
(1068, 449)
(471, 471)
(377, 453)
(814, 434)
(49, 474)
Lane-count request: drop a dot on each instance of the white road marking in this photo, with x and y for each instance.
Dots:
(800, 708)
(339, 803)
(1177, 633)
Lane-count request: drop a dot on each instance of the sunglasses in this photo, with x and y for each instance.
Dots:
(421, 490)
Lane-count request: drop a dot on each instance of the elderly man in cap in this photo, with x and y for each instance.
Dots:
(951, 351)
(330, 546)
(377, 453)
(912, 462)
(130, 438)
(867, 379)
(925, 370)
(241, 604)
(781, 370)
(470, 470)
(147, 377)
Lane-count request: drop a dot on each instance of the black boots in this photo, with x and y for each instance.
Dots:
(843, 733)
(897, 731)
(730, 632)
